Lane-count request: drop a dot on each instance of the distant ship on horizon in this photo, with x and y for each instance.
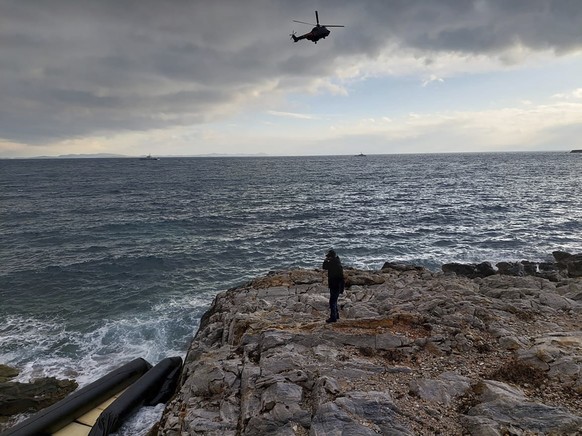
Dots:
(577, 151)
(360, 155)
(149, 157)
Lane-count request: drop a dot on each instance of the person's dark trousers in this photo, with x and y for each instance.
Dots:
(333, 309)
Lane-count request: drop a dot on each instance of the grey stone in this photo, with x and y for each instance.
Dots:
(374, 407)
(356, 340)
(529, 416)
(572, 263)
(443, 390)
(281, 362)
(532, 359)
(401, 267)
(480, 426)
(555, 301)
(511, 343)
(330, 420)
(204, 422)
(510, 268)
(273, 339)
(388, 341)
(209, 380)
(325, 390)
(275, 293)
(566, 369)
(363, 278)
(491, 390)
(470, 270)
(279, 392)
(359, 311)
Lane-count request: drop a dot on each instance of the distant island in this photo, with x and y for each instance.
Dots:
(577, 151)
(80, 156)
(120, 156)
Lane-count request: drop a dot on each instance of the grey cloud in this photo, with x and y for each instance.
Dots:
(76, 67)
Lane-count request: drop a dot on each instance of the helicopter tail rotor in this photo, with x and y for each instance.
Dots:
(293, 37)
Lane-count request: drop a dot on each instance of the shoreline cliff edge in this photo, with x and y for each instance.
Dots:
(469, 350)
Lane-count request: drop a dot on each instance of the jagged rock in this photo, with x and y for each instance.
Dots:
(265, 362)
(444, 389)
(470, 270)
(511, 343)
(510, 268)
(527, 416)
(559, 353)
(358, 413)
(549, 270)
(504, 408)
(18, 397)
(575, 266)
(493, 390)
(401, 267)
(572, 263)
(530, 268)
(361, 278)
(555, 301)
(7, 373)
(561, 258)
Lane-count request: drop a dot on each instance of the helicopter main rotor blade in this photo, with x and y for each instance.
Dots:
(332, 25)
(303, 22)
(317, 17)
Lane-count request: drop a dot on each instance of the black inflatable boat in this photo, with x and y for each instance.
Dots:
(101, 407)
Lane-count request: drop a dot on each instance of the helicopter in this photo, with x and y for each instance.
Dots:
(320, 31)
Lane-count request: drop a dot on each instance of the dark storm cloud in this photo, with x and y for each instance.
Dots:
(71, 68)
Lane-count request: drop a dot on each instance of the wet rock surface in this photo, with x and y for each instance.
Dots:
(17, 398)
(414, 352)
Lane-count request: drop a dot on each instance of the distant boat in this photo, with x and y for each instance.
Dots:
(149, 157)
(576, 151)
(360, 155)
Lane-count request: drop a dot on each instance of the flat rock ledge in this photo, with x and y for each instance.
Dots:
(415, 353)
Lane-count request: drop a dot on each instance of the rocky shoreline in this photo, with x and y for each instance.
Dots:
(475, 349)
(470, 350)
(17, 398)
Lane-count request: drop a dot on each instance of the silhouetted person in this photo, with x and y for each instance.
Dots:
(335, 281)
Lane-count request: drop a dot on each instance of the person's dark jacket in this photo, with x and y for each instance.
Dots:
(335, 273)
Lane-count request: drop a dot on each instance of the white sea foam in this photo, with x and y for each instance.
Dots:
(44, 348)
(141, 422)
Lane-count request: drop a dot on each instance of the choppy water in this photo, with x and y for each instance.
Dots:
(104, 260)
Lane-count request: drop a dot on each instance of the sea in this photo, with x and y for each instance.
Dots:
(106, 260)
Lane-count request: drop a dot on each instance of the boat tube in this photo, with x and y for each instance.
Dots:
(154, 387)
(57, 416)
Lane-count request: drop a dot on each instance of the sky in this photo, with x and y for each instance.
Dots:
(189, 77)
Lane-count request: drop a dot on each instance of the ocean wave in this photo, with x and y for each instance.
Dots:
(48, 347)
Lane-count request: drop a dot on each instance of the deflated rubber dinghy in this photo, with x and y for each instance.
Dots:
(101, 407)
(154, 387)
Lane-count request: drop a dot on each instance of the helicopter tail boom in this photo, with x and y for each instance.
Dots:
(296, 38)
